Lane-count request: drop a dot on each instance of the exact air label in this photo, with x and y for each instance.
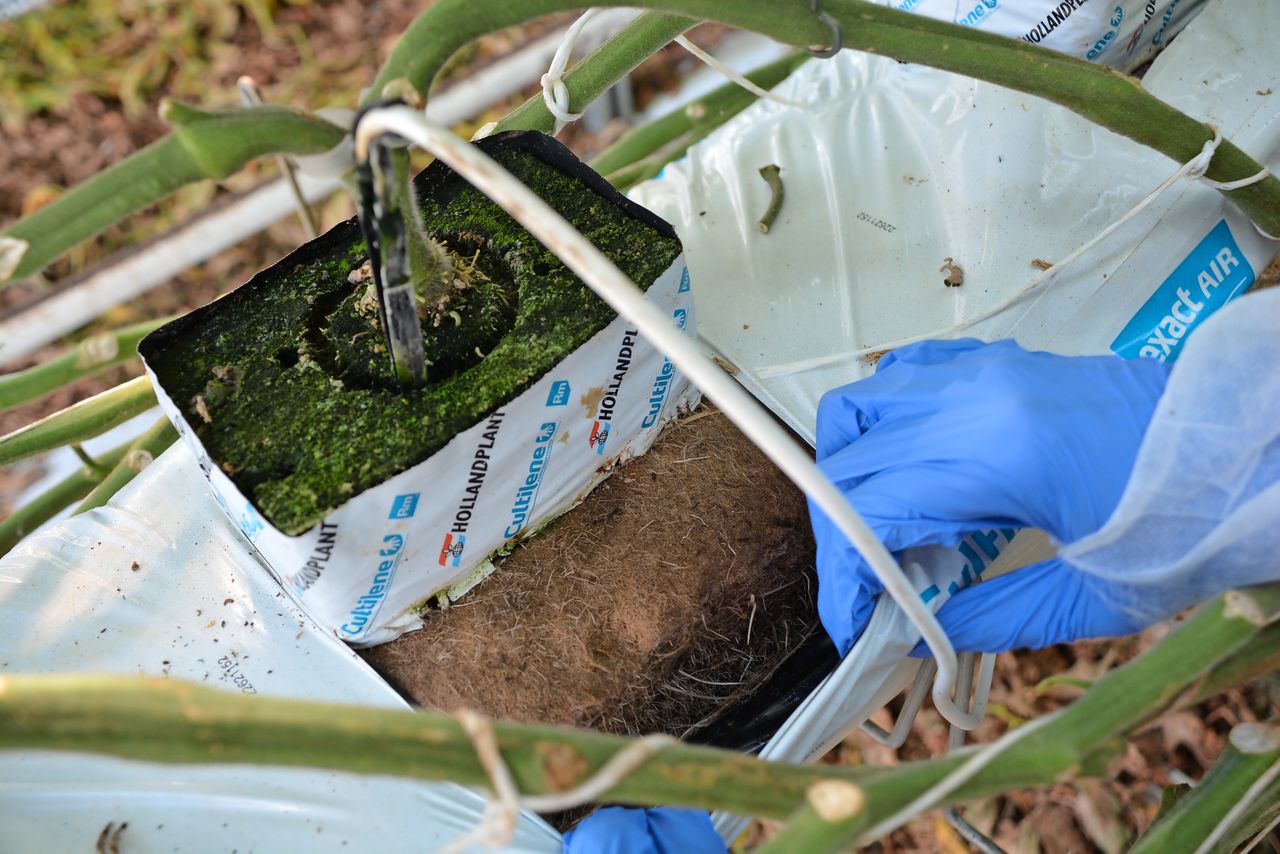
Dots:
(1207, 279)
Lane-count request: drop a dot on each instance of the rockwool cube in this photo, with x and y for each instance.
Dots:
(367, 501)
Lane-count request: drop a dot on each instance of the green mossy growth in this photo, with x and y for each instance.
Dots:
(286, 380)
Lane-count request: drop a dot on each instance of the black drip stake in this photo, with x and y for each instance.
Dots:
(383, 224)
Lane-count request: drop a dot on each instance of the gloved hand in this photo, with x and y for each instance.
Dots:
(659, 830)
(949, 437)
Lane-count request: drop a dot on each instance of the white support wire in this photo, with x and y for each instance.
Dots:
(1194, 168)
(555, 94)
(932, 796)
(727, 72)
(613, 286)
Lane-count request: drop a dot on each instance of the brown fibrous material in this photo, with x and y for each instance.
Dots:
(670, 592)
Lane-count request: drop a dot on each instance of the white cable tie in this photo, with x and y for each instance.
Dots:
(1193, 168)
(554, 93)
(734, 76)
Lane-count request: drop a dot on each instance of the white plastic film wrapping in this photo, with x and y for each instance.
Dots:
(1120, 33)
(1201, 511)
(159, 583)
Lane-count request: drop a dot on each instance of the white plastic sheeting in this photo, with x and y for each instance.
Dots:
(896, 178)
(159, 583)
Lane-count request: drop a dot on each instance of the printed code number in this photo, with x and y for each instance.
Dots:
(878, 223)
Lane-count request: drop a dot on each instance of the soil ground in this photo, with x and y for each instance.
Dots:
(320, 52)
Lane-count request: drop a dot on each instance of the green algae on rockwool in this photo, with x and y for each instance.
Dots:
(286, 383)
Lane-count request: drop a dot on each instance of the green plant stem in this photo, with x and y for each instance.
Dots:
(642, 170)
(1083, 738)
(1104, 96)
(63, 494)
(84, 420)
(806, 831)
(202, 145)
(708, 112)
(1198, 812)
(1258, 657)
(168, 721)
(141, 452)
(92, 355)
(606, 65)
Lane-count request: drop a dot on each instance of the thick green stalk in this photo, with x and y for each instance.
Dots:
(1199, 812)
(84, 420)
(1111, 99)
(809, 828)
(167, 721)
(1257, 658)
(642, 170)
(1083, 738)
(606, 65)
(141, 452)
(708, 112)
(202, 145)
(63, 494)
(92, 355)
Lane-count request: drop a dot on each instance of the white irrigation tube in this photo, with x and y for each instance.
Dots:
(742, 409)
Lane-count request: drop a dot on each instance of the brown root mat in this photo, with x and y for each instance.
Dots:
(674, 589)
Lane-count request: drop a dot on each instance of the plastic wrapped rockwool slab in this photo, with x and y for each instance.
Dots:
(898, 177)
(159, 583)
(1120, 33)
(368, 567)
(370, 564)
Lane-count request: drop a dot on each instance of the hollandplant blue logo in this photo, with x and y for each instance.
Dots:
(1205, 281)
(404, 506)
(684, 282)
(559, 395)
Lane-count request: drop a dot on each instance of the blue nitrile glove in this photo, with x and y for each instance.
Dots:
(949, 437)
(660, 830)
